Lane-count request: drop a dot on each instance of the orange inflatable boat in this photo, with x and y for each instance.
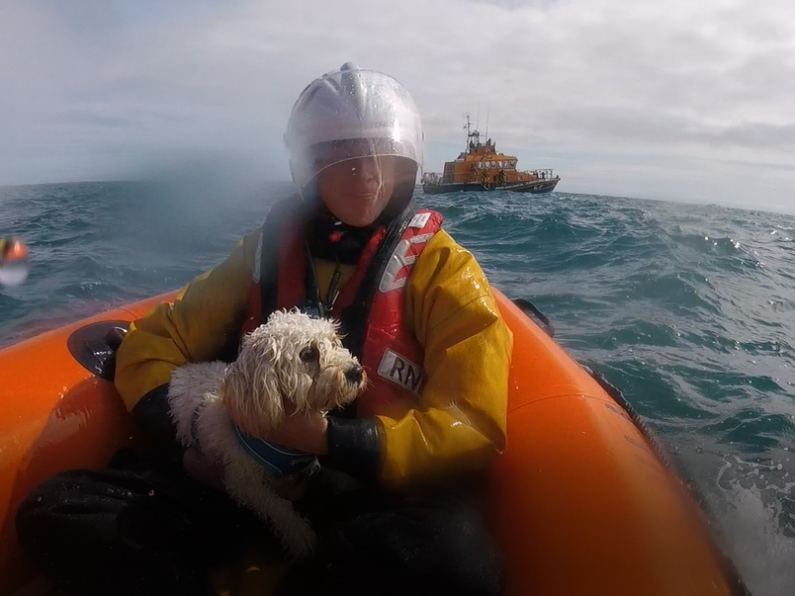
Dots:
(582, 501)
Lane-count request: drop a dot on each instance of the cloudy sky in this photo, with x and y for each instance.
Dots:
(683, 100)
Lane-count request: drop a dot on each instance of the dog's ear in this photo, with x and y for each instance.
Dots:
(250, 391)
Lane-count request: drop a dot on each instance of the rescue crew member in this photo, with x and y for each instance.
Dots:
(14, 261)
(11, 249)
(417, 310)
(5, 245)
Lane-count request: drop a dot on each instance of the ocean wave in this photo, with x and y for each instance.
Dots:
(688, 309)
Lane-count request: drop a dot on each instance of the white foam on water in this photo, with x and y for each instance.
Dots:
(14, 275)
(748, 499)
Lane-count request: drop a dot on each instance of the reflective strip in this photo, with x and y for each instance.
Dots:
(398, 260)
(419, 220)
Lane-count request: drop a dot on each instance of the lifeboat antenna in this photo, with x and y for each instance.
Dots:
(467, 127)
(487, 121)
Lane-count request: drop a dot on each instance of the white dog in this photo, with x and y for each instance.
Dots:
(220, 408)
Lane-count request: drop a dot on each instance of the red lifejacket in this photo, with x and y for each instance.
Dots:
(370, 305)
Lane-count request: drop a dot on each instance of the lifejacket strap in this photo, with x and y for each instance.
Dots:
(267, 266)
(359, 310)
(354, 447)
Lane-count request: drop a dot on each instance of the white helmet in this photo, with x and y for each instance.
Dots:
(351, 113)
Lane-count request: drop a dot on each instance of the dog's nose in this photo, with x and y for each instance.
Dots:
(354, 374)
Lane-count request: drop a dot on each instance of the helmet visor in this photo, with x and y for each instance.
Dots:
(324, 155)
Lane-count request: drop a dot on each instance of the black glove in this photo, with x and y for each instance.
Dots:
(153, 417)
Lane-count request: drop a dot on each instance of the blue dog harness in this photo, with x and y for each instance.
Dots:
(279, 461)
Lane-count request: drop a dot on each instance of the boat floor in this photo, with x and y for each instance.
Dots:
(253, 575)
(38, 587)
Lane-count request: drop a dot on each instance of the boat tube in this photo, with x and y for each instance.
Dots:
(582, 501)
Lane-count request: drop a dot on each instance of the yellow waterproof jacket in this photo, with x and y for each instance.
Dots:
(461, 413)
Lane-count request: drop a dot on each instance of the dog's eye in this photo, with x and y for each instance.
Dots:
(310, 354)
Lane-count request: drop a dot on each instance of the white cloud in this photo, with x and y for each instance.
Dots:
(679, 100)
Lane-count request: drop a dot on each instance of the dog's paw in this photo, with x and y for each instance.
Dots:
(335, 482)
(301, 542)
(291, 488)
